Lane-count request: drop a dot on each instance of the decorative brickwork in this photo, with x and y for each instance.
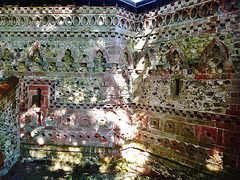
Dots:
(101, 77)
(10, 131)
(1, 160)
(187, 103)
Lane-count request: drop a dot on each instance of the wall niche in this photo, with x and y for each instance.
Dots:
(176, 85)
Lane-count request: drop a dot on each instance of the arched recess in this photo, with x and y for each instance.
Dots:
(7, 47)
(129, 57)
(8, 57)
(144, 62)
(94, 59)
(174, 48)
(215, 56)
(34, 48)
(6, 52)
(67, 50)
(94, 52)
(35, 57)
(67, 58)
(175, 58)
(125, 61)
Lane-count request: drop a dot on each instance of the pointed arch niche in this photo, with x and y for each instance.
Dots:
(215, 57)
(99, 60)
(175, 59)
(125, 61)
(8, 58)
(143, 65)
(35, 57)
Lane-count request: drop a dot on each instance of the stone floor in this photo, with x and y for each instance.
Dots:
(40, 170)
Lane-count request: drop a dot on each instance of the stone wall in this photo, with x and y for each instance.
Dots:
(10, 131)
(100, 77)
(75, 72)
(186, 96)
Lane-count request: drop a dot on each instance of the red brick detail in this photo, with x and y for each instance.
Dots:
(238, 164)
(233, 107)
(110, 84)
(100, 138)
(175, 145)
(139, 135)
(233, 101)
(206, 134)
(44, 95)
(232, 112)
(231, 140)
(235, 82)
(1, 159)
(233, 27)
(43, 88)
(234, 95)
(227, 126)
(238, 107)
(219, 137)
(230, 76)
(232, 161)
(229, 151)
(201, 76)
(90, 136)
(209, 31)
(237, 45)
(105, 79)
(8, 85)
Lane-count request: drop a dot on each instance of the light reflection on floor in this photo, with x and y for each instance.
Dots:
(39, 170)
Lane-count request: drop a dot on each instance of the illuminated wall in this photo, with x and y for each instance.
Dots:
(10, 131)
(74, 70)
(186, 91)
(101, 77)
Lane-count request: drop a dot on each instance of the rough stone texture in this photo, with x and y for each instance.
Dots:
(186, 100)
(100, 77)
(10, 131)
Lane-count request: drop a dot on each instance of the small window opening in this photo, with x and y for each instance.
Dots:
(39, 97)
(177, 87)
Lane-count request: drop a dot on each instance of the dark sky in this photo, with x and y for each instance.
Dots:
(139, 7)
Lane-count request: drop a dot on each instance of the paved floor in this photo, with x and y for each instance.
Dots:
(41, 170)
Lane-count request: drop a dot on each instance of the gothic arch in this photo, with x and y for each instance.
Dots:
(144, 62)
(147, 53)
(8, 56)
(63, 52)
(9, 48)
(67, 56)
(36, 46)
(6, 50)
(130, 59)
(209, 48)
(175, 48)
(214, 56)
(93, 54)
(175, 58)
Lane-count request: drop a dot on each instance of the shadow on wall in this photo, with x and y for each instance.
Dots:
(168, 112)
(78, 132)
(176, 115)
(9, 131)
(88, 134)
